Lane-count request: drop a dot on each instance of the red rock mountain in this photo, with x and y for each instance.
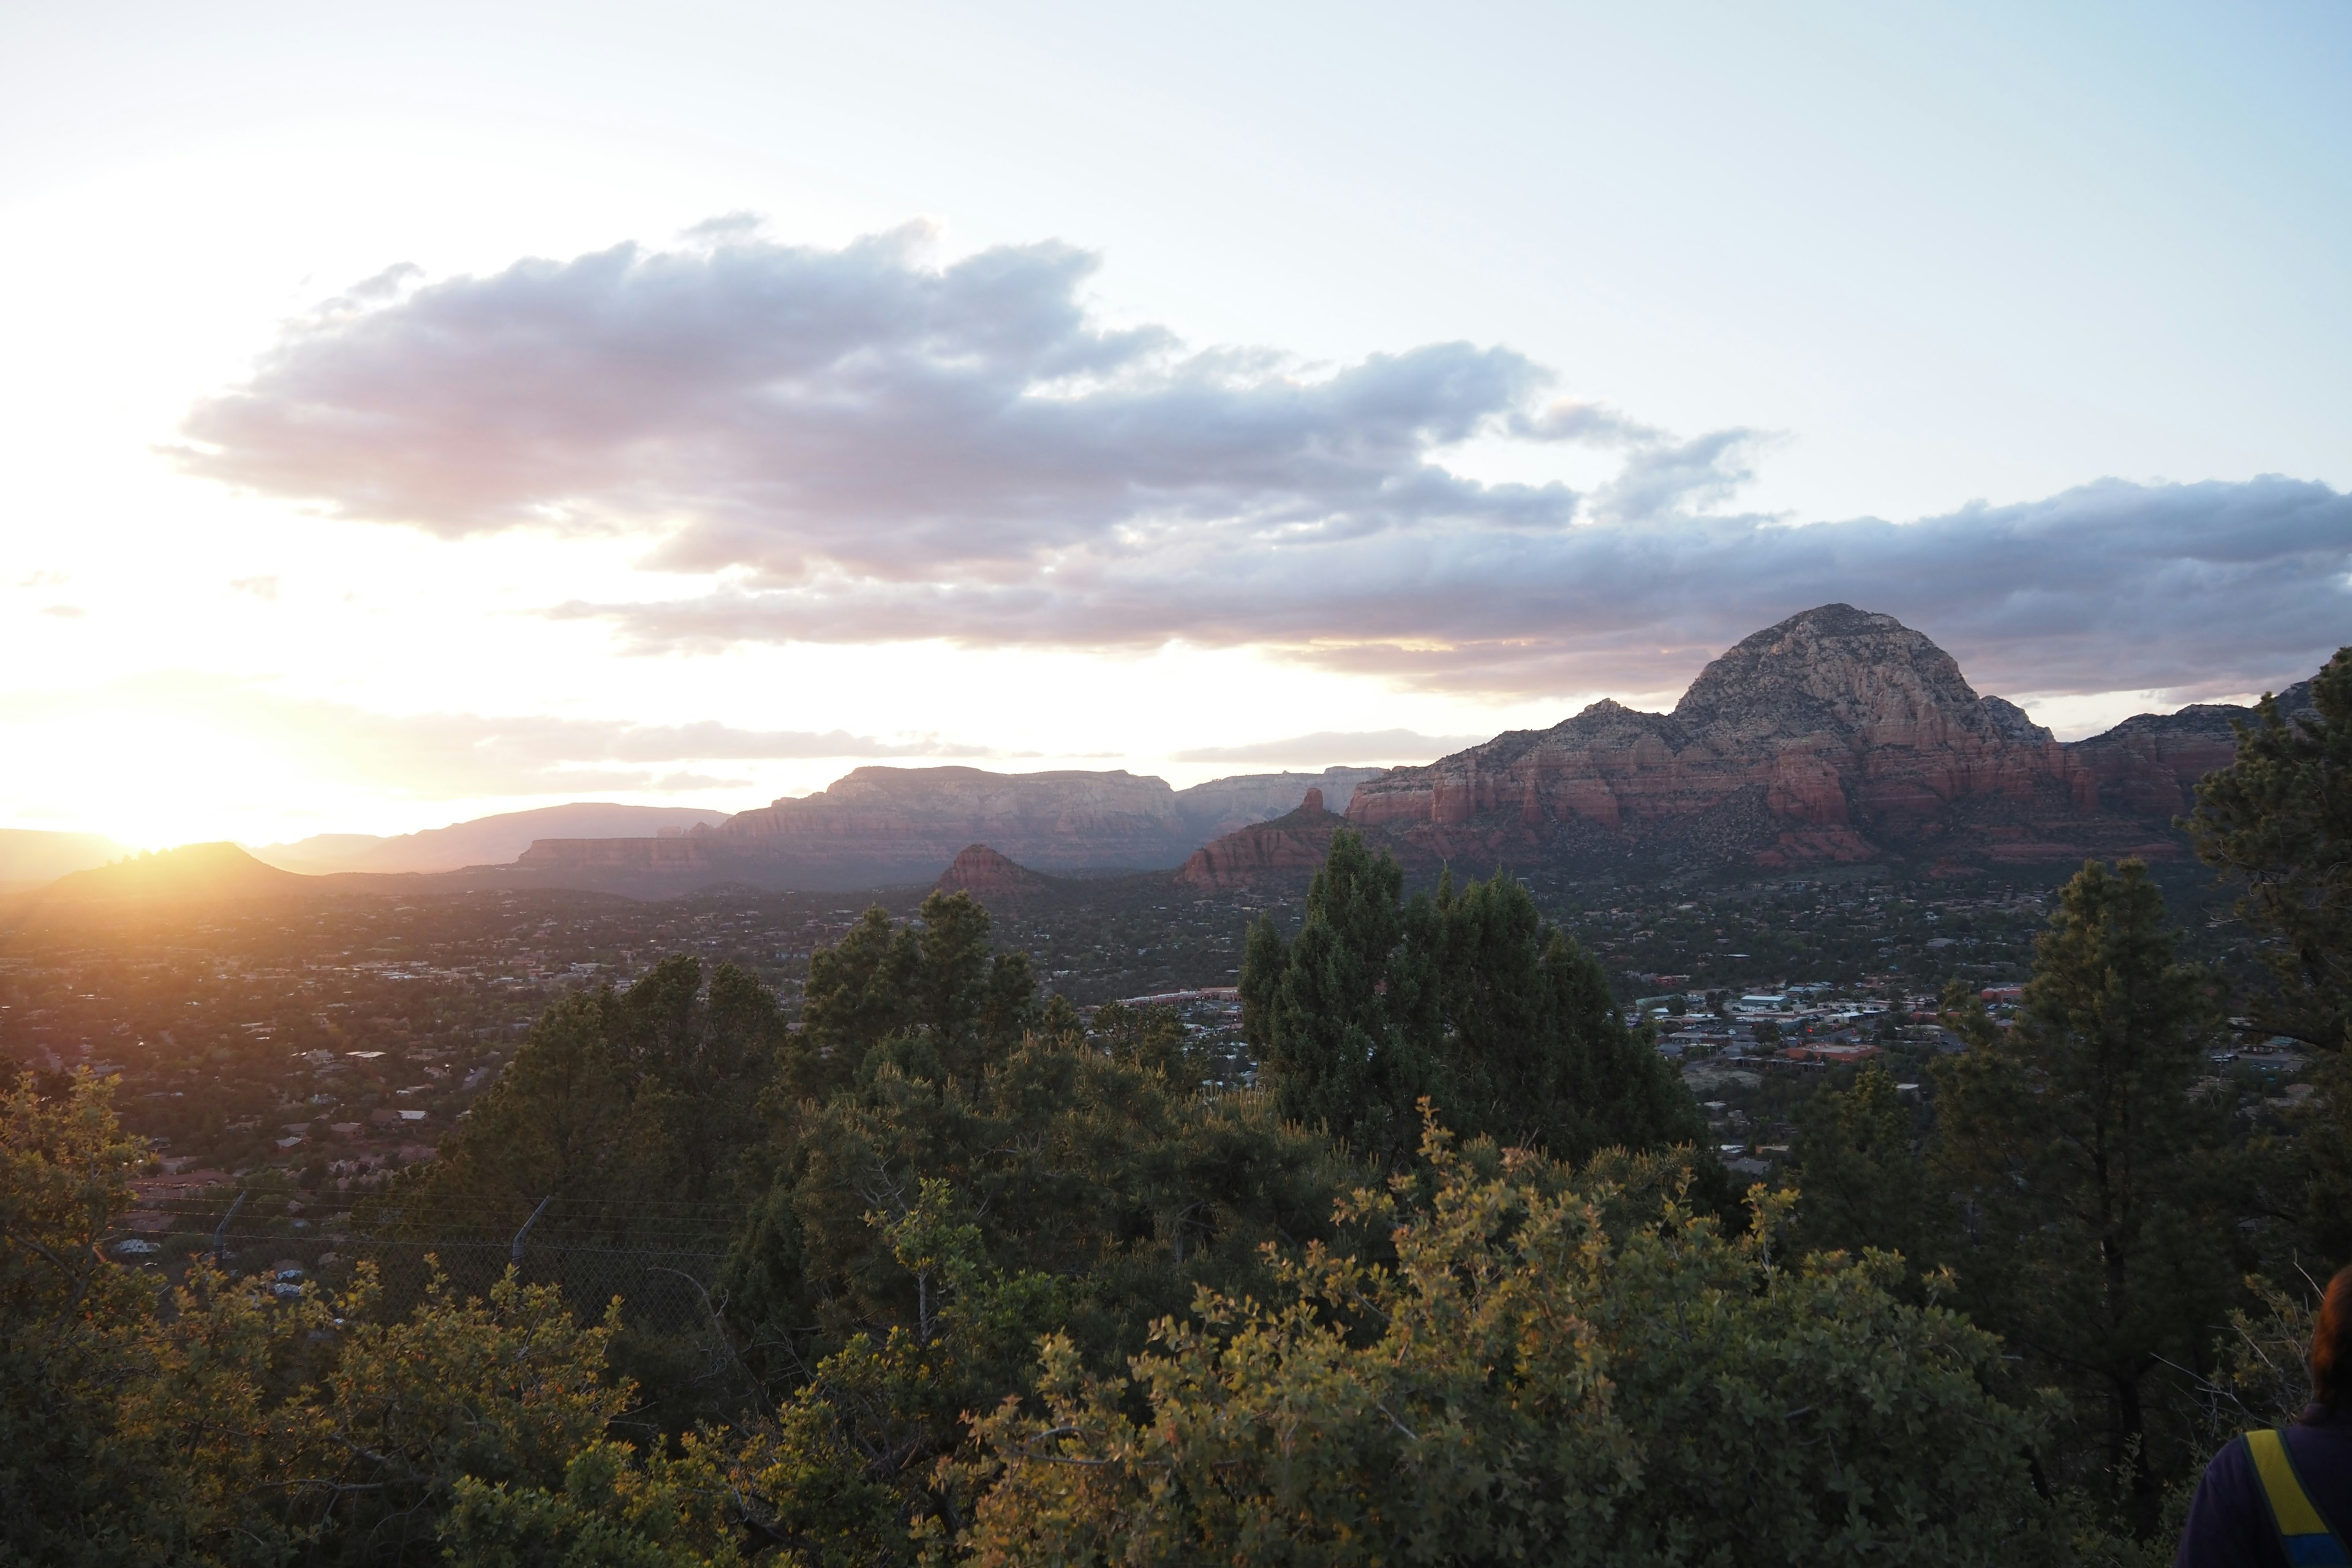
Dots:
(1289, 847)
(1837, 735)
(985, 874)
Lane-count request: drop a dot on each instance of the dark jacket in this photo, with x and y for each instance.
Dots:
(2229, 1520)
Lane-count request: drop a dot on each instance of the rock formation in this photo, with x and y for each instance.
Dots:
(924, 816)
(985, 874)
(1285, 850)
(1220, 806)
(1835, 736)
(878, 826)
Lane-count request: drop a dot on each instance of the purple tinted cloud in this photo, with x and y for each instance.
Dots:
(806, 412)
(873, 448)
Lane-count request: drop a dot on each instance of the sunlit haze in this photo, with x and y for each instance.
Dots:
(424, 411)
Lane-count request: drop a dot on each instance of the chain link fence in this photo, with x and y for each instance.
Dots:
(660, 1260)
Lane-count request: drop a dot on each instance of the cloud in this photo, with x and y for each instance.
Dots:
(262, 588)
(1345, 745)
(2194, 589)
(63, 611)
(859, 445)
(805, 413)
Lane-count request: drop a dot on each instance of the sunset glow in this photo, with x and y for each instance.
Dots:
(382, 454)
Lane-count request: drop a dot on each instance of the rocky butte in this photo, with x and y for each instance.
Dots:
(985, 874)
(1836, 736)
(1288, 848)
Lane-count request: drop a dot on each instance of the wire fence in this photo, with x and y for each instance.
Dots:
(660, 1259)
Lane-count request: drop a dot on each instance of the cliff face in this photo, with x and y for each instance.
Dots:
(1837, 735)
(1287, 848)
(879, 826)
(923, 816)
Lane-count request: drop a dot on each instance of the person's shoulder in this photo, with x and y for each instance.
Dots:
(2227, 1525)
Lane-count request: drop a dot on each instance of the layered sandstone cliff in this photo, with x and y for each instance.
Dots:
(923, 816)
(1838, 735)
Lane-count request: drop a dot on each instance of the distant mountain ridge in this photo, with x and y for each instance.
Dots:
(1836, 736)
(493, 840)
(881, 824)
(29, 858)
(200, 872)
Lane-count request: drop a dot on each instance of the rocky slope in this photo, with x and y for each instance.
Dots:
(1836, 736)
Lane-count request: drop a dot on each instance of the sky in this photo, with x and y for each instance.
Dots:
(420, 411)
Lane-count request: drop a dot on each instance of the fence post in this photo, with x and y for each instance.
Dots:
(221, 1230)
(514, 1253)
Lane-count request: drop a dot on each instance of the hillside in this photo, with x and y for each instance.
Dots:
(193, 871)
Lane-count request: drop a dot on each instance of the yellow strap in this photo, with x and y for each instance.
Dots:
(2289, 1503)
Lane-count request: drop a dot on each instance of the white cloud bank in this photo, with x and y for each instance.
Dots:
(856, 445)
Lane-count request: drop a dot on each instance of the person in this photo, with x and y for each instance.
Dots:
(2283, 1498)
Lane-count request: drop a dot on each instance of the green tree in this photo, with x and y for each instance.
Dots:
(1325, 1022)
(1865, 1177)
(1471, 999)
(2278, 821)
(932, 990)
(70, 1484)
(647, 1093)
(1570, 1367)
(223, 1426)
(2096, 1177)
(919, 1238)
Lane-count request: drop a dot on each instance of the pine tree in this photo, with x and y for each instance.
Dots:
(1471, 999)
(2099, 1239)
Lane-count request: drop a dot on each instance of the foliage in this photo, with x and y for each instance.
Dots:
(2096, 1174)
(67, 1491)
(222, 1424)
(930, 991)
(645, 1093)
(1572, 1365)
(919, 1239)
(2279, 820)
(1864, 1175)
(1470, 999)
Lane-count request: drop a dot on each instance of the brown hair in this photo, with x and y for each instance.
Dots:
(2331, 1344)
